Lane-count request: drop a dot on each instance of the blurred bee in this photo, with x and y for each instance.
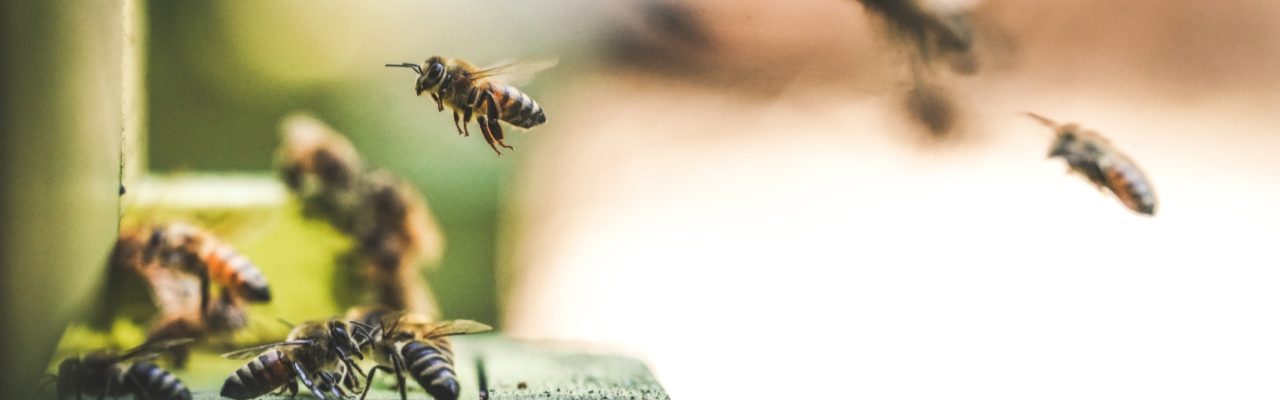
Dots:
(1093, 156)
(469, 91)
(108, 374)
(932, 28)
(322, 168)
(315, 352)
(193, 250)
(389, 221)
(413, 344)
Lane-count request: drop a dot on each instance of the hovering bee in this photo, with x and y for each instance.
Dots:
(413, 344)
(468, 91)
(315, 352)
(1093, 156)
(193, 250)
(107, 374)
(934, 30)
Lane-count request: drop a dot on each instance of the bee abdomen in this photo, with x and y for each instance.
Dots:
(432, 367)
(266, 372)
(234, 270)
(516, 108)
(1132, 187)
(152, 382)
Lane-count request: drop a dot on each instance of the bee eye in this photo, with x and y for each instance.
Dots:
(435, 72)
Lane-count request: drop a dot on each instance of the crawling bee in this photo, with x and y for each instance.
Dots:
(196, 251)
(469, 91)
(319, 353)
(104, 373)
(413, 344)
(1093, 156)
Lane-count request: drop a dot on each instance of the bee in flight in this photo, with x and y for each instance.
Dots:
(480, 92)
(1093, 156)
(108, 374)
(319, 353)
(410, 343)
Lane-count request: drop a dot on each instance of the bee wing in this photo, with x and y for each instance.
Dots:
(152, 347)
(455, 327)
(251, 351)
(514, 73)
(173, 291)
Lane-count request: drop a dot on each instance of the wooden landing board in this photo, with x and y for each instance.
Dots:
(513, 370)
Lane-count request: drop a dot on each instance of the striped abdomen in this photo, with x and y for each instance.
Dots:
(431, 365)
(515, 107)
(151, 382)
(268, 371)
(1129, 184)
(230, 269)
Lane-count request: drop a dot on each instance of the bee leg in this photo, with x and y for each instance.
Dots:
(439, 105)
(293, 388)
(466, 120)
(398, 362)
(368, 379)
(495, 128)
(488, 135)
(455, 122)
(306, 380)
(204, 291)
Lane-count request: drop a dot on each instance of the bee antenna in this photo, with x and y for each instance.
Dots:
(414, 67)
(1043, 120)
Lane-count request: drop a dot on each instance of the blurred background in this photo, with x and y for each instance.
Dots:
(750, 196)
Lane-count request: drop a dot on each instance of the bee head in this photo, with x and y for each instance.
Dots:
(431, 77)
(343, 342)
(1062, 143)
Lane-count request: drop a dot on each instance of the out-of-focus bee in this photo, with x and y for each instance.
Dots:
(932, 28)
(193, 250)
(469, 91)
(392, 227)
(319, 353)
(108, 374)
(322, 168)
(1094, 157)
(413, 344)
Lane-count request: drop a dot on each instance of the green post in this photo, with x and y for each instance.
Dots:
(61, 123)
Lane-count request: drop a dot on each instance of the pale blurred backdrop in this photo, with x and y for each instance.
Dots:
(730, 189)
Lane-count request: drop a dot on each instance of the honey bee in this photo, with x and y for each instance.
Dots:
(108, 374)
(412, 344)
(319, 353)
(469, 91)
(1093, 156)
(196, 251)
(387, 219)
(322, 168)
(934, 30)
